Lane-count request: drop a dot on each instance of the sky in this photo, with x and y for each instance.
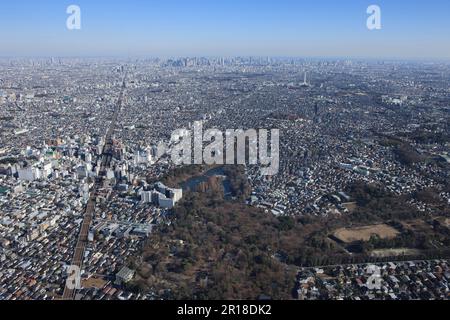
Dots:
(415, 29)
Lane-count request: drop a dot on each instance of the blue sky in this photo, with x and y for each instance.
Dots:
(324, 28)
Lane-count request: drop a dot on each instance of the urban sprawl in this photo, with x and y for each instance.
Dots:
(79, 151)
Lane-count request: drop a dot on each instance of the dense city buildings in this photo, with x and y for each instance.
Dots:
(364, 174)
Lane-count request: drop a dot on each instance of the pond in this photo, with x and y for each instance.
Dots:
(192, 183)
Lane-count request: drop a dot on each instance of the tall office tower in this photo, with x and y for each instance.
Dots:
(305, 82)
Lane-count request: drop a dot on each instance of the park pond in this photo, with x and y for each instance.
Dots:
(193, 183)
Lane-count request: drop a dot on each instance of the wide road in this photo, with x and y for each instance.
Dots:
(106, 156)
